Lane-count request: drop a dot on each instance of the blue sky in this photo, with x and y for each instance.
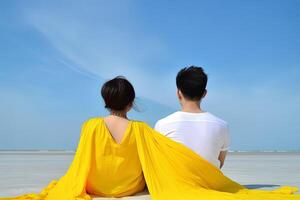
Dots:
(54, 56)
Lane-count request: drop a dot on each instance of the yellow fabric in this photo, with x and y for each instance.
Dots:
(172, 171)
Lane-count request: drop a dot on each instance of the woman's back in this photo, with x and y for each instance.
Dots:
(115, 166)
(116, 126)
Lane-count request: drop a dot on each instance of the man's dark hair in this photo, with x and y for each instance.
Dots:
(117, 93)
(191, 81)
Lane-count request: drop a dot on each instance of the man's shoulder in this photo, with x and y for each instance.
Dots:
(218, 120)
(168, 118)
(181, 117)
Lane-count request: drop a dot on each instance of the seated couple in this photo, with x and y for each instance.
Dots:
(180, 160)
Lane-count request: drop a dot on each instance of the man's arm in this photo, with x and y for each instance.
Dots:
(225, 147)
(222, 157)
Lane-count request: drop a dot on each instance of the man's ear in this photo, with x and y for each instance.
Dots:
(204, 94)
(179, 95)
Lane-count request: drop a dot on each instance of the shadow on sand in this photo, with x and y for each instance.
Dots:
(257, 186)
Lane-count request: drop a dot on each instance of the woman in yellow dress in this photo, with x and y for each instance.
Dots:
(116, 156)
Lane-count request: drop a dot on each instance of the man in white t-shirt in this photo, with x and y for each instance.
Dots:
(201, 131)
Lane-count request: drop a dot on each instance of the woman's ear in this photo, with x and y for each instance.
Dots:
(128, 108)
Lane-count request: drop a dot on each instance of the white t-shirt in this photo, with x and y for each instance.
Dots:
(204, 133)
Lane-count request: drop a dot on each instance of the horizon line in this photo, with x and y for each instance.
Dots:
(73, 151)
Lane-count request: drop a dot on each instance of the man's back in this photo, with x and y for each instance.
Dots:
(203, 132)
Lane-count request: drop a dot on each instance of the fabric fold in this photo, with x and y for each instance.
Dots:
(174, 172)
(171, 170)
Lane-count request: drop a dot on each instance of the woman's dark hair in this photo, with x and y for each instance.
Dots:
(117, 93)
(191, 81)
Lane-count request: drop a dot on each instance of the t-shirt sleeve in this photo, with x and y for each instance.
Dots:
(160, 128)
(157, 126)
(226, 139)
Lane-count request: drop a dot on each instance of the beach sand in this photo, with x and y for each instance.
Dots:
(30, 171)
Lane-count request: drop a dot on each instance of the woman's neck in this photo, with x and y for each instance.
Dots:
(119, 114)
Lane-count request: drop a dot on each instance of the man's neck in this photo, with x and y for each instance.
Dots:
(191, 107)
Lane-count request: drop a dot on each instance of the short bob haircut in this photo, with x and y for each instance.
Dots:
(118, 94)
(191, 81)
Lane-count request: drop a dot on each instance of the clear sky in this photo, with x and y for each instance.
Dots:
(54, 56)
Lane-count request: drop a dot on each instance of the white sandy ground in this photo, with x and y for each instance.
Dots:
(29, 172)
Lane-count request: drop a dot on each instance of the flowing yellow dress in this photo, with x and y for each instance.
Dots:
(172, 171)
